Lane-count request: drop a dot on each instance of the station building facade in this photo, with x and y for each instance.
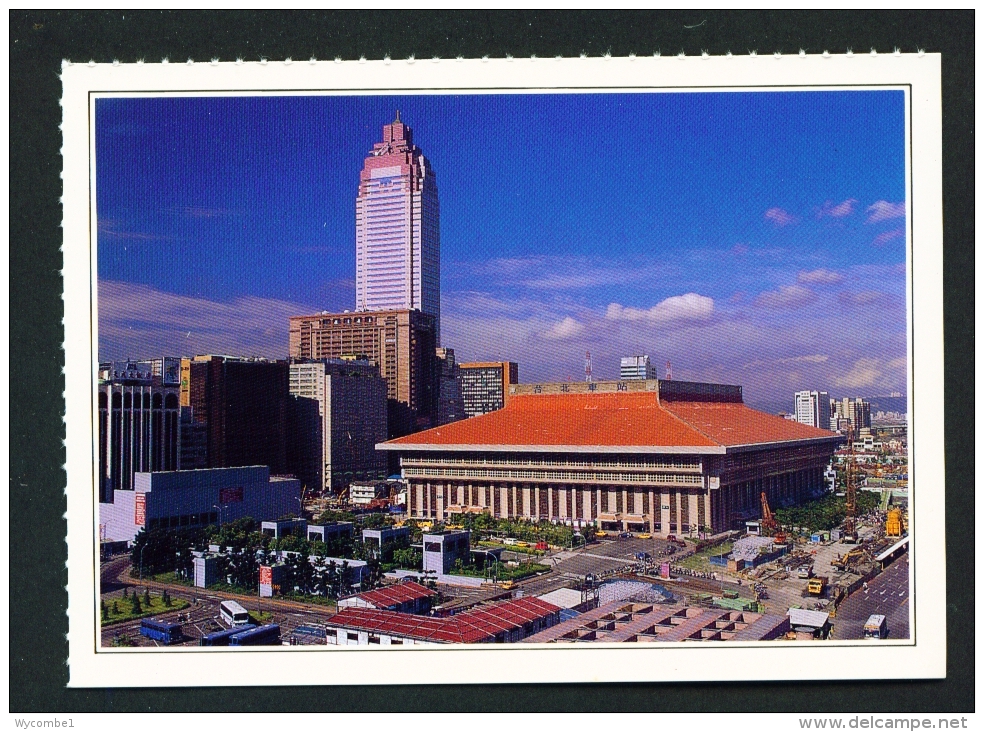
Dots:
(667, 457)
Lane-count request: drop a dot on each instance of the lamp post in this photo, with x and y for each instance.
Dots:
(300, 505)
(218, 524)
(140, 573)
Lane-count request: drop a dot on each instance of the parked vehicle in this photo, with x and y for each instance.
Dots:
(875, 627)
(816, 586)
(265, 635)
(221, 637)
(233, 613)
(160, 631)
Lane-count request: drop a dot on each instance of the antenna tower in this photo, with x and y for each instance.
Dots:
(587, 367)
(669, 371)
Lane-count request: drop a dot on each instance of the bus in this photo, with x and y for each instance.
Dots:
(233, 613)
(221, 637)
(265, 635)
(158, 630)
(875, 627)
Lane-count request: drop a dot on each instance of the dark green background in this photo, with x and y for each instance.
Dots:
(39, 40)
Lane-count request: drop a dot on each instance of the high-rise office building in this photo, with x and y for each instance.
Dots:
(139, 422)
(243, 405)
(338, 415)
(812, 408)
(485, 385)
(397, 228)
(450, 403)
(402, 343)
(856, 412)
(636, 367)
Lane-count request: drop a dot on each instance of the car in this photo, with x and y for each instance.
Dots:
(601, 533)
(672, 538)
(644, 536)
(624, 535)
(642, 555)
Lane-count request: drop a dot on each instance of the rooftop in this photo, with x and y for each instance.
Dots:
(473, 626)
(393, 595)
(596, 422)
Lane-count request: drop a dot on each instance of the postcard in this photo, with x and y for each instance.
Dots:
(504, 370)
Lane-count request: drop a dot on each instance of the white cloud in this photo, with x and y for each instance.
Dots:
(688, 307)
(883, 210)
(786, 296)
(819, 277)
(864, 373)
(813, 358)
(837, 210)
(566, 328)
(779, 217)
(138, 321)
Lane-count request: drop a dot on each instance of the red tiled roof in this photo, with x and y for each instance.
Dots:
(474, 626)
(393, 595)
(621, 419)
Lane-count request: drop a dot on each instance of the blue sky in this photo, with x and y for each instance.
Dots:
(754, 238)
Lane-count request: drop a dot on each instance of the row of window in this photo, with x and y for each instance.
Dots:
(555, 475)
(194, 519)
(544, 463)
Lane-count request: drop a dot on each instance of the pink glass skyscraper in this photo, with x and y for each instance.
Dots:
(397, 228)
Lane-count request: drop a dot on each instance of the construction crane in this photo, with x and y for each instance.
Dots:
(770, 527)
(850, 492)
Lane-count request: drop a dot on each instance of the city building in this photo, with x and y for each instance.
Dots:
(637, 367)
(485, 385)
(284, 527)
(403, 597)
(667, 457)
(442, 549)
(634, 622)
(401, 343)
(196, 498)
(139, 421)
(386, 538)
(450, 404)
(397, 229)
(335, 531)
(812, 408)
(338, 414)
(856, 412)
(502, 622)
(243, 405)
(362, 494)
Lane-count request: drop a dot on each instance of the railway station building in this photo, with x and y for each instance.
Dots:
(667, 457)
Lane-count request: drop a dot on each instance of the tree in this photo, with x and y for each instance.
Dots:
(146, 598)
(104, 611)
(116, 608)
(135, 603)
(124, 593)
(166, 598)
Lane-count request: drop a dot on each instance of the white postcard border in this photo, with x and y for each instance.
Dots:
(922, 657)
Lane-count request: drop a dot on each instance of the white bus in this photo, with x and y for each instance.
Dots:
(233, 613)
(875, 627)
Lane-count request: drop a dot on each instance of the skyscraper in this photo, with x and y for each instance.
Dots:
(401, 343)
(636, 367)
(813, 408)
(485, 385)
(338, 414)
(397, 228)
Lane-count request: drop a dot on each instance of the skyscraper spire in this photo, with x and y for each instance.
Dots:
(397, 116)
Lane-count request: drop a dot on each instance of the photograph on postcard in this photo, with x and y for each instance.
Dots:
(529, 368)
